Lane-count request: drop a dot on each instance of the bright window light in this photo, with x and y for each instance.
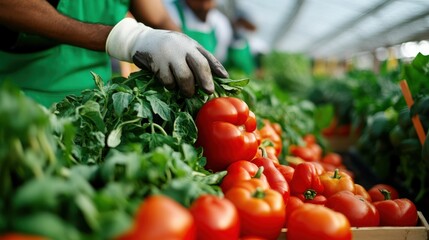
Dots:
(381, 54)
(424, 47)
(409, 49)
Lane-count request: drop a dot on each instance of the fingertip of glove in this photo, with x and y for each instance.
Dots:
(209, 91)
(221, 72)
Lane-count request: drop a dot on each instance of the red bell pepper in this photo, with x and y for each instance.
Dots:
(226, 132)
(293, 204)
(286, 171)
(306, 184)
(239, 171)
(274, 177)
(396, 212)
(268, 152)
(261, 210)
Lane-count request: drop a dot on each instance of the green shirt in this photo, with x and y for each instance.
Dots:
(49, 75)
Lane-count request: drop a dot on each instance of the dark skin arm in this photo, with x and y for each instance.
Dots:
(39, 17)
(153, 13)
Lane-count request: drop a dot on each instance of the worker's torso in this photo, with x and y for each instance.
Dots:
(206, 37)
(48, 75)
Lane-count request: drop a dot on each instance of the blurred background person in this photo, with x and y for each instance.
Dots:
(202, 21)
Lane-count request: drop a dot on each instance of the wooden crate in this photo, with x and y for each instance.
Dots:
(419, 232)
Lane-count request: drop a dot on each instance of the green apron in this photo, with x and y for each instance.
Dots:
(49, 75)
(240, 57)
(207, 40)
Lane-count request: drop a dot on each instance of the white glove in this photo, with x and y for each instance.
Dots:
(175, 58)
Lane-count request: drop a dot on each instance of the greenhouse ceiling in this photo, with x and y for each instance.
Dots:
(333, 28)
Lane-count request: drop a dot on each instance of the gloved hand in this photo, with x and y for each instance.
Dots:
(175, 58)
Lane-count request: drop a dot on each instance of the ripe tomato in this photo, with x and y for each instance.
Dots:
(396, 212)
(309, 139)
(215, 218)
(376, 195)
(160, 217)
(226, 132)
(302, 152)
(358, 211)
(311, 221)
(252, 238)
(317, 151)
(333, 158)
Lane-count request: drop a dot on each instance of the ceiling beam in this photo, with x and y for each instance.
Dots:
(287, 23)
(381, 37)
(317, 43)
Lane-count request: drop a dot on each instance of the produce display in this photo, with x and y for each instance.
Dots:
(133, 160)
(372, 108)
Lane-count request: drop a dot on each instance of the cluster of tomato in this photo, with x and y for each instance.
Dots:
(315, 198)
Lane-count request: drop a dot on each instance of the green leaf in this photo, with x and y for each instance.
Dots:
(143, 109)
(118, 165)
(210, 179)
(88, 209)
(183, 190)
(114, 196)
(114, 138)
(98, 80)
(41, 194)
(153, 140)
(425, 150)
(233, 82)
(121, 101)
(323, 116)
(97, 140)
(184, 128)
(91, 111)
(410, 145)
(421, 63)
(45, 224)
(113, 224)
(159, 107)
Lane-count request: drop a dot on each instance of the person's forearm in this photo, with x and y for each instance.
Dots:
(39, 17)
(153, 14)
